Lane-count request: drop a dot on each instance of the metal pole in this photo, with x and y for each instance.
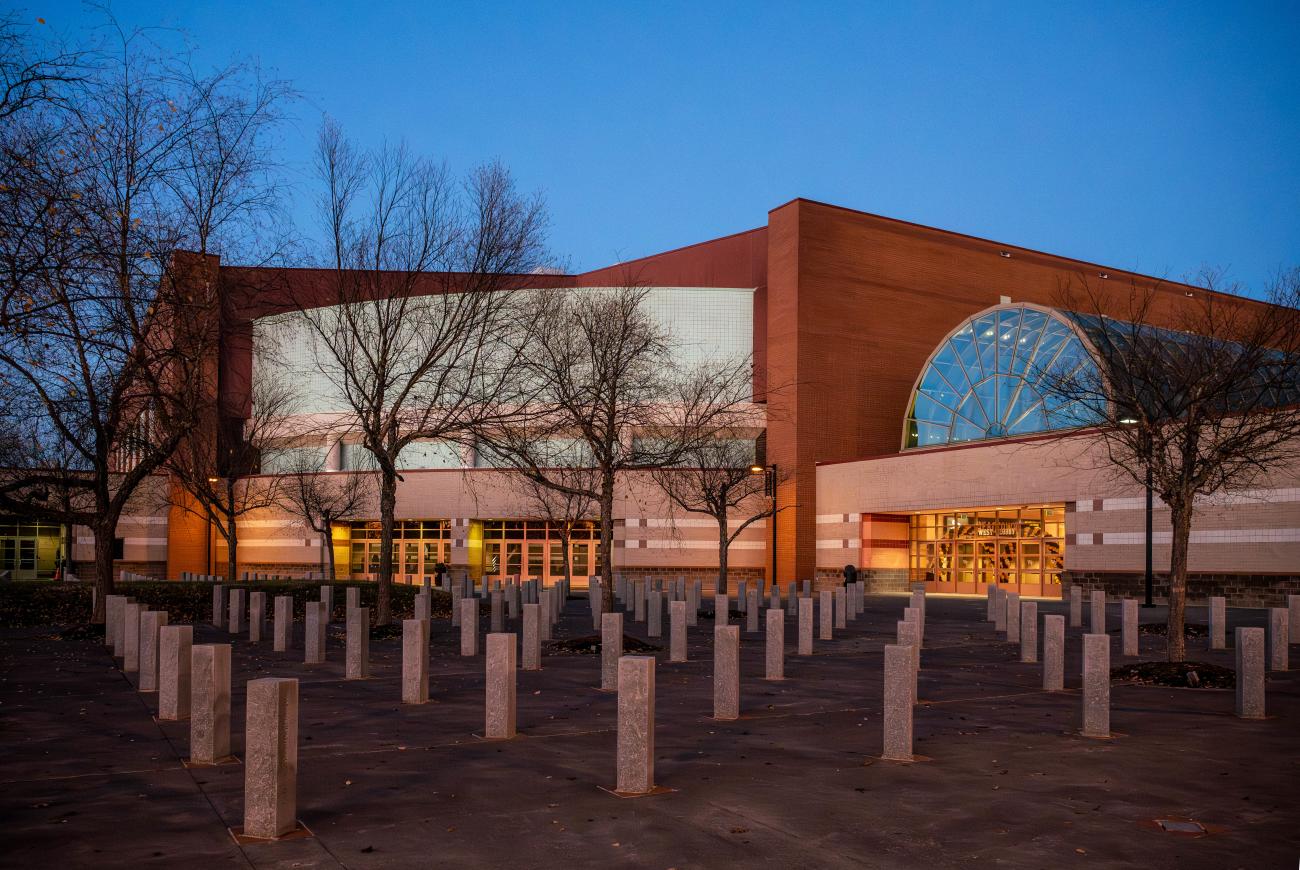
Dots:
(1149, 578)
(772, 472)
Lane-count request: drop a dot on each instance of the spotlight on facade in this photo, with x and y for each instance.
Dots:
(1128, 421)
(756, 469)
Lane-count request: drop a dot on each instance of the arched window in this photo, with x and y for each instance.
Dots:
(980, 382)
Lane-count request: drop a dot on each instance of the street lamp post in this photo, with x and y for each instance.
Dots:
(1149, 578)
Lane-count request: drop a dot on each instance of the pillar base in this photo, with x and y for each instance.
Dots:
(299, 832)
(657, 790)
(228, 759)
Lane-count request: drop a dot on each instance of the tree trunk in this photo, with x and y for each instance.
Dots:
(104, 528)
(328, 537)
(232, 550)
(723, 547)
(1181, 519)
(67, 549)
(607, 539)
(387, 510)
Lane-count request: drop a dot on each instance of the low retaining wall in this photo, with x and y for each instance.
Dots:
(1240, 590)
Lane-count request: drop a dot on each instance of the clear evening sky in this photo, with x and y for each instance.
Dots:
(1153, 136)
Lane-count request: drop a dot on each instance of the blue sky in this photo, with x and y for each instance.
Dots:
(1153, 136)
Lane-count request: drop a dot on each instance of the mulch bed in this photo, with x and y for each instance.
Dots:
(590, 645)
(1182, 675)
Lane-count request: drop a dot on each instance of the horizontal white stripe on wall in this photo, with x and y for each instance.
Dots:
(838, 518)
(690, 523)
(89, 541)
(1207, 536)
(698, 545)
(836, 544)
(1244, 497)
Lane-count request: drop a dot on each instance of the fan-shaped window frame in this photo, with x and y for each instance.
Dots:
(944, 384)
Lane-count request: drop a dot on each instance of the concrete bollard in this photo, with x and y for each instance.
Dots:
(351, 598)
(112, 619)
(415, 661)
(256, 615)
(150, 623)
(1129, 627)
(327, 596)
(238, 611)
(497, 621)
(469, 626)
(989, 601)
(597, 607)
(611, 648)
(805, 647)
(898, 700)
(1013, 617)
(1097, 614)
(1054, 653)
(841, 608)
(422, 606)
(721, 609)
(1096, 685)
(1276, 637)
(271, 758)
(693, 604)
(219, 605)
(546, 599)
(1218, 622)
(175, 645)
(314, 633)
(636, 725)
(1076, 607)
(1293, 618)
(1029, 631)
(532, 637)
(357, 659)
(752, 610)
(282, 629)
(677, 631)
(999, 609)
(1249, 660)
(456, 598)
(639, 601)
(775, 644)
(726, 672)
(131, 634)
(655, 614)
(826, 615)
(209, 703)
(499, 721)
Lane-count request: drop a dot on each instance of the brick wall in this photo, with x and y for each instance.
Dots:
(1240, 590)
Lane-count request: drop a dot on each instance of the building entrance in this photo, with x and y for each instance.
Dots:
(535, 548)
(1021, 549)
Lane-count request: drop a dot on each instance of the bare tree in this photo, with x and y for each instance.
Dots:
(217, 466)
(716, 478)
(107, 334)
(609, 393)
(35, 71)
(408, 327)
(1192, 399)
(322, 498)
(564, 510)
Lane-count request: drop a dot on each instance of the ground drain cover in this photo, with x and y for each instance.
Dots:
(1180, 827)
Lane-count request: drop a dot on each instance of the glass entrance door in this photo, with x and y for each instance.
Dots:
(535, 549)
(1019, 548)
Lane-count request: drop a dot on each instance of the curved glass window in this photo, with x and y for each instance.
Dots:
(981, 381)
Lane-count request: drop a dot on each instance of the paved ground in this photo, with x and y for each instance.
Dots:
(90, 779)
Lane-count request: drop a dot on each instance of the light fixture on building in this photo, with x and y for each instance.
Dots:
(1128, 421)
(1006, 255)
(1189, 294)
(1103, 275)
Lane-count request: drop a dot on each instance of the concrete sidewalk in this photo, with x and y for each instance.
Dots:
(91, 779)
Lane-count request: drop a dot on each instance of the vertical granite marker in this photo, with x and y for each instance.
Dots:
(721, 609)
(238, 611)
(327, 596)
(1249, 656)
(1129, 627)
(469, 626)
(1029, 631)
(677, 631)
(841, 608)
(611, 648)
(988, 603)
(499, 721)
(219, 605)
(752, 610)
(282, 630)
(826, 615)
(256, 615)
(655, 614)
(636, 725)
(999, 609)
(1275, 636)
(271, 758)
(898, 691)
(150, 623)
(209, 702)
(357, 666)
(726, 672)
(805, 647)
(1097, 615)
(1218, 622)
(314, 633)
(131, 634)
(1096, 685)
(1013, 617)
(175, 645)
(415, 661)
(1076, 607)
(532, 637)
(497, 623)
(1054, 653)
(775, 644)
(908, 634)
